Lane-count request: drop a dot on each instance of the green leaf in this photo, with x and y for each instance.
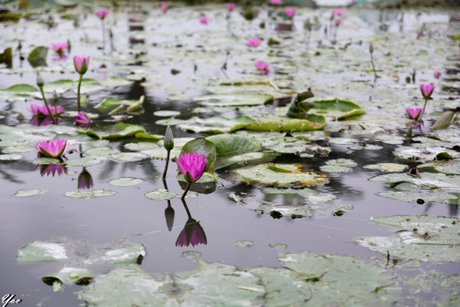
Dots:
(337, 109)
(280, 176)
(281, 124)
(230, 144)
(37, 57)
(443, 121)
(423, 238)
(234, 99)
(202, 147)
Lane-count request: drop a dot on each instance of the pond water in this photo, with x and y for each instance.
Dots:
(248, 221)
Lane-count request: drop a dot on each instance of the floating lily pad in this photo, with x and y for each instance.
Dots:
(209, 285)
(10, 157)
(125, 181)
(65, 250)
(426, 181)
(387, 167)
(337, 109)
(68, 276)
(29, 192)
(420, 196)
(422, 238)
(90, 194)
(21, 90)
(243, 243)
(230, 144)
(114, 106)
(341, 280)
(278, 175)
(37, 57)
(246, 159)
(446, 167)
(166, 113)
(234, 99)
(84, 162)
(160, 194)
(338, 166)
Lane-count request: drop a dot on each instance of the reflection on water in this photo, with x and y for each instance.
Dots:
(192, 233)
(53, 169)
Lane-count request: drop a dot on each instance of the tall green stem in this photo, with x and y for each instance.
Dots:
(186, 190)
(47, 106)
(166, 166)
(78, 93)
(419, 118)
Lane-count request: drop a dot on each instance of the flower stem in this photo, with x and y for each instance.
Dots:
(373, 66)
(186, 190)
(103, 35)
(186, 208)
(47, 106)
(166, 166)
(78, 93)
(419, 118)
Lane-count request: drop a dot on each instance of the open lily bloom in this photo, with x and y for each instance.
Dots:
(253, 42)
(263, 67)
(427, 90)
(164, 6)
(414, 112)
(276, 2)
(204, 20)
(290, 12)
(230, 6)
(42, 110)
(60, 48)
(53, 169)
(82, 120)
(192, 234)
(52, 149)
(338, 12)
(191, 165)
(102, 13)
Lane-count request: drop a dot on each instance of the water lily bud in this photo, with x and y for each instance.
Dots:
(371, 48)
(40, 81)
(169, 139)
(169, 216)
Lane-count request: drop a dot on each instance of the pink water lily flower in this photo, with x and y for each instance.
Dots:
(81, 64)
(42, 110)
(52, 149)
(53, 169)
(437, 74)
(262, 67)
(230, 6)
(276, 2)
(42, 121)
(102, 13)
(192, 234)
(82, 120)
(191, 165)
(253, 42)
(164, 6)
(290, 12)
(60, 48)
(427, 90)
(338, 12)
(204, 20)
(413, 112)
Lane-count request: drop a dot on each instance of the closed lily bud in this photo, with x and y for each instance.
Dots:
(40, 81)
(169, 139)
(371, 47)
(169, 216)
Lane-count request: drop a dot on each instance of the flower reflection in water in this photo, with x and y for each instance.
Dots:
(53, 169)
(169, 211)
(85, 180)
(192, 233)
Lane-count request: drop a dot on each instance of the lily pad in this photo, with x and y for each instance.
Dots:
(230, 144)
(280, 176)
(125, 181)
(341, 280)
(337, 109)
(160, 194)
(37, 57)
(90, 194)
(29, 192)
(423, 238)
(234, 99)
(387, 167)
(338, 166)
(69, 251)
